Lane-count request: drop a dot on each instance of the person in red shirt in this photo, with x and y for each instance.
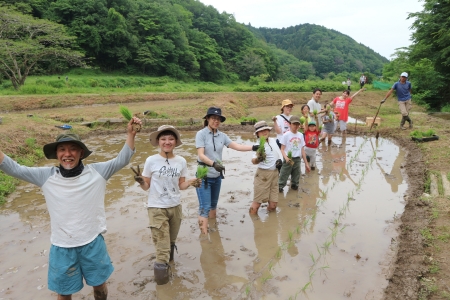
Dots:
(312, 135)
(341, 105)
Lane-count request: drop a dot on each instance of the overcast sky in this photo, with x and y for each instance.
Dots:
(380, 25)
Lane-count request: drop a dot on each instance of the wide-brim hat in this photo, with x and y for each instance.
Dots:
(215, 111)
(154, 135)
(260, 126)
(50, 149)
(286, 102)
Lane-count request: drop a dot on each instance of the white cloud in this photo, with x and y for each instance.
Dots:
(381, 25)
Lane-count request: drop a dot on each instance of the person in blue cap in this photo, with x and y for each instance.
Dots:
(403, 90)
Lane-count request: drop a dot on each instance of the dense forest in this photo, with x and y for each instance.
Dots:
(427, 60)
(328, 50)
(183, 39)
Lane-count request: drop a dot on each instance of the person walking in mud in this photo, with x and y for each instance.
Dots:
(75, 194)
(164, 175)
(281, 122)
(265, 184)
(209, 143)
(292, 149)
(403, 89)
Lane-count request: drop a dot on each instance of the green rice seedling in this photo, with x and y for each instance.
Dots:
(312, 258)
(278, 254)
(303, 289)
(126, 113)
(297, 229)
(343, 227)
(291, 234)
(302, 120)
(326, 245)
(202, 172)
(265, 278)
(247, 290)
(318, 250)
(315, 112)
(261, 150)
(311, 275)
(289, 154)
(336, 222)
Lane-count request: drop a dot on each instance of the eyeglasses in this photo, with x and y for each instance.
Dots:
(289, 106)
(215, 118)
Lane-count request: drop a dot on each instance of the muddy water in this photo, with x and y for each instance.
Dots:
(332, 239)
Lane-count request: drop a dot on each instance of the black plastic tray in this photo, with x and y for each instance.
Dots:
(426, 139)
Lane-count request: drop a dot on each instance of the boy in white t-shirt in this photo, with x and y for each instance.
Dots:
(165, 175)
(292, 149)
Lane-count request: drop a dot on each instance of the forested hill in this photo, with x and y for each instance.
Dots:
(328, 50)
(185, 39)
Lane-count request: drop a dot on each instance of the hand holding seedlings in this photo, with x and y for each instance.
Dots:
(261, 152)
(290, 161)
(138, 175)
(218, 167)
(202, 172)
(196, 182)
(278, 164)
(126, 113)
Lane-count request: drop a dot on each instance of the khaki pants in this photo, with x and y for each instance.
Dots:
(265, 186)
(165, 224)
(405, 107)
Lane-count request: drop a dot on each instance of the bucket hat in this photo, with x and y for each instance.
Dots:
(50, 149)
(215, 111)
(294, 119)
(154, 135)
(286, 102)
(404, 74)
(261, 125)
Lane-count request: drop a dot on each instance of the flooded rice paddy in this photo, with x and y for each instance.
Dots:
(334, 238)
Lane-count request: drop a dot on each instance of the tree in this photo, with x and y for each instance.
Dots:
(25, 41)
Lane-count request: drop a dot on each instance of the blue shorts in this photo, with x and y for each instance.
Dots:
(68, 266)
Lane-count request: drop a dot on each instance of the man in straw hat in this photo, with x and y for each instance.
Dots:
(268, 158)
(164, 175)
(75, 195)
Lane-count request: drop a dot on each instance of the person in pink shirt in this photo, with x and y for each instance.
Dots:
(341, 105)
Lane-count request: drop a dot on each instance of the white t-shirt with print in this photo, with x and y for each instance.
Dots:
(164, 178)
(293, 142)
(283, 124)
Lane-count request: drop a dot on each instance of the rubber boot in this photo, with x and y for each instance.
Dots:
(173, 247)
(402, 122)
(161, 273)
(409, 121)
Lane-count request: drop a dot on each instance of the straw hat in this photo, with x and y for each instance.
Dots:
(260, 126)
(154, 135)
(286, 102)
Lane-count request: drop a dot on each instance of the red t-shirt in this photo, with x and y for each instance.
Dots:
(312, 139)
(341, 106)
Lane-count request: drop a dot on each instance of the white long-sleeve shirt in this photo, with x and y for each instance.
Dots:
(76, 204)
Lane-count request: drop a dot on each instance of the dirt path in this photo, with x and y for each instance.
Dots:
(421, 268)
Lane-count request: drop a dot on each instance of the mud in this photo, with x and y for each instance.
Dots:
(335, 238)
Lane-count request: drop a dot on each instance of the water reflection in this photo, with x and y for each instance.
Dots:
(243, 248)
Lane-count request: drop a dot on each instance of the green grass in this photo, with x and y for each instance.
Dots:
(95, 82)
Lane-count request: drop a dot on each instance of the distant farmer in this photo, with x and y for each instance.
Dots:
(403, 90)
(75, 197)
(314, 105)
(362, 80)
(349, 83)
(281, 122)
(164, 175)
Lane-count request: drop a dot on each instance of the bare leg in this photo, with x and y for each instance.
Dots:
(212, 213)
(254, 208)
(101, 292)
(203, 224)
(272, 206)
(64, 297)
